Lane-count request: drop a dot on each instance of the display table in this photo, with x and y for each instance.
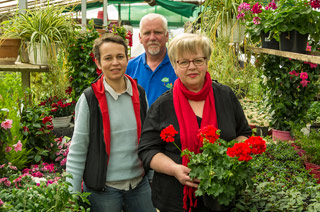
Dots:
(25, 69)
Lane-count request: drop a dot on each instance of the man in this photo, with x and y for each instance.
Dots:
(153, 69)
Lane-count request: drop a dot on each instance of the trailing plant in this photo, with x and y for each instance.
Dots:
(225, 68)
(47, 26)
(289, 88)
(82, 69)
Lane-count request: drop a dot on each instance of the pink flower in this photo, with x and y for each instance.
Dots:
(240, 16)
(304, 83)
(1, 202)
(304, 75)
(37, 174)
(17, 146)
(293, 72)
(7, 182)
(8, 149)
(7, 124)
(315, 3)
(13, 167)
(256, 20)
(256, 9)
(312, 65)
(272, 5)
(63, 162)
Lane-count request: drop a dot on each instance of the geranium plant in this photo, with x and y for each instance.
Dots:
(59, 107)
(257, 19)
(223, 168)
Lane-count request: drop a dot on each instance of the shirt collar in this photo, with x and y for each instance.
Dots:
(112, 92)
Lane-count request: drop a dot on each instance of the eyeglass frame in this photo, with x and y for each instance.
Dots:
(189, 61)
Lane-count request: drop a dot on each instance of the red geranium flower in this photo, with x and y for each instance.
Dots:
(168, 133)
(209, 134)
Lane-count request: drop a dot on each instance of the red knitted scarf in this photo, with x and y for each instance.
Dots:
(189, 126)
(98, 89)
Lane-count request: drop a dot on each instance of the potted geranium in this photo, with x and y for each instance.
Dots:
(257, 19)
(61, 109)
(223, 168)
(296, 20)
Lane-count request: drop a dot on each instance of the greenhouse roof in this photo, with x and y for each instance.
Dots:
(130, 11)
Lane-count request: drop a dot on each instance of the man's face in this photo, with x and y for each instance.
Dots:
(153, 36)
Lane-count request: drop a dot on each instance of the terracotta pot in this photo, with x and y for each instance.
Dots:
(9, 50)
(278, 135)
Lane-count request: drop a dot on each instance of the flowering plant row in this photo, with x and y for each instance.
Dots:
(223, 168)
(281, 16)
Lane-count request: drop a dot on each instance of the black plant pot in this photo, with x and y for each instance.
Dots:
(214, 205)
(267, 42)
(262, 131)
(293, 41)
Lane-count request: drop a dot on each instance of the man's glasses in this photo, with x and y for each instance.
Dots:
(197, 62)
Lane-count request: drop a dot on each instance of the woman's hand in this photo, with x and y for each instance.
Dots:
(182, 174)
(163, 164)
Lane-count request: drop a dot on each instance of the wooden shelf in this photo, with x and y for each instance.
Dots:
(312, 57)
(25, 69)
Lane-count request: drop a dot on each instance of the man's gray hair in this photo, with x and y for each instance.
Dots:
(152, 16)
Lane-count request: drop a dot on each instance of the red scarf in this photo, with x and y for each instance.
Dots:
(188, 123)
(98, 89)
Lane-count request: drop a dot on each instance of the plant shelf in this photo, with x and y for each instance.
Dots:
(312, 57)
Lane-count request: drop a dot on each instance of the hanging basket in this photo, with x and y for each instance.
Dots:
(59, 122)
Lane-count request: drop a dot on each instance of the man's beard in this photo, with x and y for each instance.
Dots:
(153, 50)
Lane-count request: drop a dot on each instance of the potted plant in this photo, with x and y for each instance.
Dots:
(257, 20)
(223, 168)
(289, 88)
(61, 109)
(219, 17)
(45, 30)
(295, 20)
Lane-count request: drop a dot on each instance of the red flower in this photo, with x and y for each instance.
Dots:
(209, 134)
(241, 150)
(69, 90)
(168, 133)
(25, 129)
(46, 119)
(257, 144)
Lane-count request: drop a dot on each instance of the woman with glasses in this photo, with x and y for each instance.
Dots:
(194, 101)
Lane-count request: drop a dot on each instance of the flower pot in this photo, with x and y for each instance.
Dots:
(213, 204)
(278, 135)
(293, 41)
(41, 57)
(269, 43)
(9, 50)
(59, 122)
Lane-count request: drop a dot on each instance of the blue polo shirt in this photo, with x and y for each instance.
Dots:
(154, 82)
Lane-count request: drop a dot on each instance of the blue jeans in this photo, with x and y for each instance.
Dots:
(114, 200)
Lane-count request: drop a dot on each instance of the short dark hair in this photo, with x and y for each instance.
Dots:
(106, 38)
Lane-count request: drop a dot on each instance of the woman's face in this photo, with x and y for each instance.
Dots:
(113, 61)
(192, 75)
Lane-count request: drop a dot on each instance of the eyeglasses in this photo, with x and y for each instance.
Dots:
(197, 62)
